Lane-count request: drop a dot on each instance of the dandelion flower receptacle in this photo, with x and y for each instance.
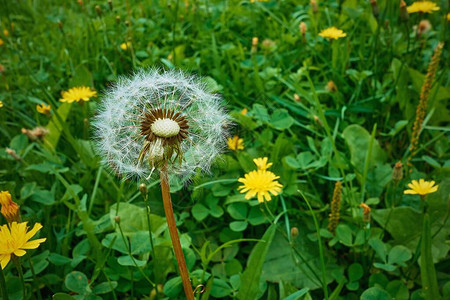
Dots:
(15, 239)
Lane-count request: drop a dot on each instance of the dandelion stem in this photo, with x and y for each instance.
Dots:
(3, 285)
(168, 209)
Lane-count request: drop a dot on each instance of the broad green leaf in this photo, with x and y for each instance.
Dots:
(355, 272)
(281, 119)
(173, 287)
(77, 282)
(358, 139)
(200, 212)
(399, 255)
(375, 293)
(55, 127)
(220, 288)
(251, 277)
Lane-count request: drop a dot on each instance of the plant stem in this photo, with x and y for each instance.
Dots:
(3, 285)
(168, 209)
(19, 269)
(319, 241)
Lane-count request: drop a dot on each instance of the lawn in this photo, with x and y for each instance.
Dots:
(206, 149)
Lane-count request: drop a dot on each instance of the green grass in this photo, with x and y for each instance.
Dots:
(354, 134)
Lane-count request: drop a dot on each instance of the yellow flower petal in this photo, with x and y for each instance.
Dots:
(4, 260)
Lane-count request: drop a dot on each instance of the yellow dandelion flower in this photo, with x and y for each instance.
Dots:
(261, 163)
(423, 7)
(1, 42)
(78, 94)
(16, 239)
(1, 104)
(5, 32)
(125, 46)
(260, 183)
(332, 33)
(244, 111)
(43, 109)
(10, 209)
(448, 17)
(421, 187)
(235, 143)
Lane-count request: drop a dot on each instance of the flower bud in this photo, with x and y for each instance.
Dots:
(10, 209)
(143, 189)
(366, 212)
(110, 5)
(117, 20)
(98, 10)
(297, 98)
(404, 15)
(314, 6)
(397, 173)
(331, 86)
(303, 28)
(424, 26)
(294, 232)
(117, 219)
(35, 134)
(13, 153)
(375, 9)
(254, 44)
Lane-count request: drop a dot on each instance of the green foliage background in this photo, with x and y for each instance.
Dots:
(232, 246)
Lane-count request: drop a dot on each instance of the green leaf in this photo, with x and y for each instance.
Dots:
(375, 293)
(130, 262)
(344, 234)
(281, 119)
(77, 282)
(238, 225)
(62, 296)
(238, 211)
(59, 260)
(297, 295)
(358, 139)
(379, 247)
(355, 272)
(397, 290)
(134, 218)
(104, 287)
(220, 288)
(173, 287)
(398, 255)
(200, 212)
(251, 277)
(55, 127)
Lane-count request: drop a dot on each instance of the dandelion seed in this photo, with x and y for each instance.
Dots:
(421, 187)
(332, 33)
(16, 239)
(78, 94)
(154, 118)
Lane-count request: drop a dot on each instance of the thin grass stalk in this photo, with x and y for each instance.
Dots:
(3, 285)
(319, 241)
(168, 209)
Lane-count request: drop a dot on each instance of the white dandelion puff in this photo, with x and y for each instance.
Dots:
(155, 118)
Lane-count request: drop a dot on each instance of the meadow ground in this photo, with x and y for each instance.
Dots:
(305, 145)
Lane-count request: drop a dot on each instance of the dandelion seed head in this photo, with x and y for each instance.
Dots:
(160, 116)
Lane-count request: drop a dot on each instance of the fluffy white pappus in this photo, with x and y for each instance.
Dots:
(117, 126)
